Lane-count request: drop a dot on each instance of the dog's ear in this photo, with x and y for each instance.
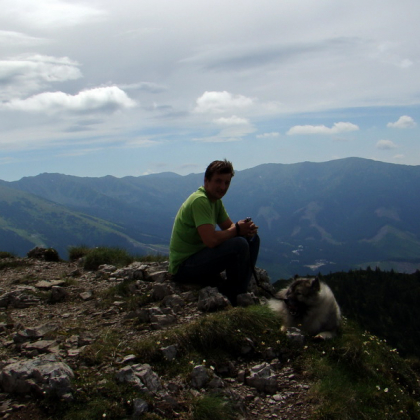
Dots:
(315, 285)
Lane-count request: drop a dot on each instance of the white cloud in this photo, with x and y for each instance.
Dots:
(403, 122)
(268, 135)
(141, 143)
(219, 102)
(340, 127)
(8, 38)
(23, 75)
(233, 120)
(98, 99)
(216, 139)
(385, 145)
(51, 13)
(235, 128)
(144, 86)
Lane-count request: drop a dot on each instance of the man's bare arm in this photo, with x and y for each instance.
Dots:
(212, 237)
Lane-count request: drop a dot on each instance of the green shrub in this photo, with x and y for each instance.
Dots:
(51, 254)
(212, 407)
(77, 252)
(106, 255)
(4, 254)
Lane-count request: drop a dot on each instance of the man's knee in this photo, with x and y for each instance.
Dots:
(240, 245)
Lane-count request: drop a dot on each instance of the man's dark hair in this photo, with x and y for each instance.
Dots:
(219, 167)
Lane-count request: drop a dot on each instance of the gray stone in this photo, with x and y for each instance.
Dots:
(58, 294)
(43, 375)
(160, 290)
(157, 276)
(42, 346)
(262, 379)
(18, 299)
(141, 377)
(175, 302)
(32, 334)
(139, 408)
(295, 335)
(247, 299)
(210, 300)
(161, 321)
(199, 377)
(170, 352)
(86, 295)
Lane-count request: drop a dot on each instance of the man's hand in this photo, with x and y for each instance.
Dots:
(247, 228)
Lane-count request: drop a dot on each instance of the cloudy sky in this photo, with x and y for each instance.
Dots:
(105, 87)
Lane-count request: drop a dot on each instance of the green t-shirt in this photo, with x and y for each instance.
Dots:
(197, 210)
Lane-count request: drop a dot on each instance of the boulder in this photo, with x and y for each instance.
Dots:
(45, 374)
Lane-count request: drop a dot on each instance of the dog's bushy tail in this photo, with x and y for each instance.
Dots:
(275, 305)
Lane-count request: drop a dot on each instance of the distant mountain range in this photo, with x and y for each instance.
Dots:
(312, 217)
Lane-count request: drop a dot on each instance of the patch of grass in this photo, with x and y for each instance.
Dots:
(27, 279)
(212, 407)
(215, 337)
(77, 252)
(5, 254)
(97, 397)
(14, 263)
(107, 255)
(122, 291)
(359, 376)
(105, 349)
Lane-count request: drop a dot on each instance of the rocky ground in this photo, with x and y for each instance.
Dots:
(51, 312)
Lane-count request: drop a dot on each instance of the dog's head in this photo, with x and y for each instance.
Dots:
(299, 296)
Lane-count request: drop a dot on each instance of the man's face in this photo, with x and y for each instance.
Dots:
(217, 187)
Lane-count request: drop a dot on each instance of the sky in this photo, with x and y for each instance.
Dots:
(130, 88)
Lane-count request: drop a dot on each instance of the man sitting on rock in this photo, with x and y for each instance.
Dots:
(199, 252)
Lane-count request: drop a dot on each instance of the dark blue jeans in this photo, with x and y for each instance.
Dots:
(237, 256)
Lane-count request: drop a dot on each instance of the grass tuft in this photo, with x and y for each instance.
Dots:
(107, 255)
(212, 407)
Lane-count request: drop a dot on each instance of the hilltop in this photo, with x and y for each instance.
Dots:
(126, 342)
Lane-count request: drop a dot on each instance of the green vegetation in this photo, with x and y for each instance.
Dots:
(77, 252)
(94, 257)
(13, 263)
(4, 254)
(359, 376)
(355, 376)
(107, 255)
(383, 302)
(214, 338)
(212, 407)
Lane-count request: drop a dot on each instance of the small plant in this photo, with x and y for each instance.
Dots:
(103, 349)
(77, 252)
(122, 290)
(105, 255)
(4, 254)
(212, 407)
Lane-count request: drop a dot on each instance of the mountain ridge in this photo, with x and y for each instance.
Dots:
(312, 216)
